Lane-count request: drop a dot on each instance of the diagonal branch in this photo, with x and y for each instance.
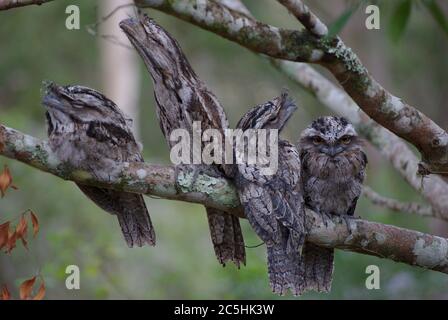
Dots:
(306, 17)
(301, 46)
(385, 241)
(433, 188)
(9, 4)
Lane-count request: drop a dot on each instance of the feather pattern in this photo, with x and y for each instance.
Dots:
(333, 170)
(181, 99)
(89, 132)
(273, 204)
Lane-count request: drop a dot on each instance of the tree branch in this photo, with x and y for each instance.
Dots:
(9, 4)
(136, 177)
(395, 205)
(301, 46)
(401, 245)
(306, 17)
(433, 188)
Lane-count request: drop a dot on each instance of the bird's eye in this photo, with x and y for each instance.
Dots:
(346, 139)
(317, 140)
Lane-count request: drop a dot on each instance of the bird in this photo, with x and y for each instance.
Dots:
(273, 203)
(88, 131)
(181, 99)
(333, 167)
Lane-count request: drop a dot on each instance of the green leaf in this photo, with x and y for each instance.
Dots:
(437, 14)
(335, 27)
(399, 20)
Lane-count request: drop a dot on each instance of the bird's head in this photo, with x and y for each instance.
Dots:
(271, 115)
(330, 136)
(157, 48)
(68, 105)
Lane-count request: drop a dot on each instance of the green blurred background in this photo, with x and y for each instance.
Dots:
(35, 46)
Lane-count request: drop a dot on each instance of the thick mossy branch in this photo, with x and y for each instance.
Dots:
(433, 188)
(302, 46)
(401, 245)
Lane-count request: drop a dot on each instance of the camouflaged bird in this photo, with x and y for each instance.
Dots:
(273, 203)
(182, 98)
(88, 131)
(333, 171)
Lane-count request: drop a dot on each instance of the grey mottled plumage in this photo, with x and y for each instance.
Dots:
(182, 98)
(333, 170)
(88, 131)
(273, 204)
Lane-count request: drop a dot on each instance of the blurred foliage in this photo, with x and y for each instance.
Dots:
(398, 19)
(36, 47)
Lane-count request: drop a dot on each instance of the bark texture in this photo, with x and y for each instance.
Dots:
(302, 46)
(385, 241)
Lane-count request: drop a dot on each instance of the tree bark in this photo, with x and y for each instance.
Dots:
(302, 46)
(381, 240)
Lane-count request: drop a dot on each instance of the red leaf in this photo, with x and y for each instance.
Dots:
(21, 230)
(4, 228)
(22, 227)
(5, 180)
(35, 223)
(12, 238)
(5, 295)
(26, 287)
(41, 293)
(24, 242)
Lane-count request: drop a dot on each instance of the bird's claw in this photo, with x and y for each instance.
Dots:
(326, 217)
(347, 218)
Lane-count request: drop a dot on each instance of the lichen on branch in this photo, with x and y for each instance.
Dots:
(302, 46)
(386, 241)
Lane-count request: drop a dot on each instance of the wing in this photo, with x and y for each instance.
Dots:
(274, 208)
(276, 199)
(288, 188)
(181, 99)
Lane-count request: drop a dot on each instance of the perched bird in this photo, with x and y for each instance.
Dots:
(88, 131)
(273, 203)
(181, 99)
(333, 171)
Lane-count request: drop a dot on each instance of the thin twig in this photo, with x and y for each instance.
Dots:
(395, 205)
(93, 28)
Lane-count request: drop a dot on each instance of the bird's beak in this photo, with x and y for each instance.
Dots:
(332, 150)
(54, 97)
(51, 101)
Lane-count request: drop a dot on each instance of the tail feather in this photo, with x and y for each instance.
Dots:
(318, 267)
(227, 238)
(130, 210)
(285, 267)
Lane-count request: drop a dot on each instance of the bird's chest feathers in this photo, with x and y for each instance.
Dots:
(331, 185)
